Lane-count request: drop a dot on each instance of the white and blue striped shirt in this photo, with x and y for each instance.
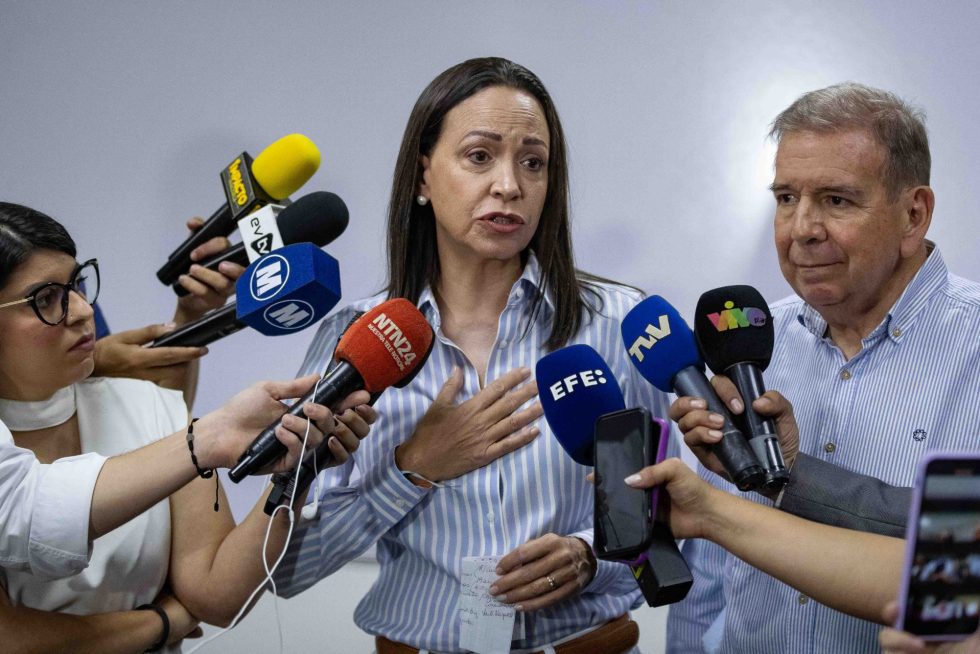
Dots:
(913, 388)
(422, 535)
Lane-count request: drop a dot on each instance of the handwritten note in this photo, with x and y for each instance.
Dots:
(486, 625)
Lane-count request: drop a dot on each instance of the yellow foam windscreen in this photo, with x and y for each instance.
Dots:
(285, 165)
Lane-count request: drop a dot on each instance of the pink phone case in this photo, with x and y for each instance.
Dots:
(912, 533)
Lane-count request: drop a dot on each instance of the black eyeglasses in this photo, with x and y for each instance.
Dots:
(50, 301)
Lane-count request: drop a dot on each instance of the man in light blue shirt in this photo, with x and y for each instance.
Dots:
(877, 353)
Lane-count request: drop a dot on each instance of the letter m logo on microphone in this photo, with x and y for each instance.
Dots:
(653, 334)
(269, 278)
(289, 314)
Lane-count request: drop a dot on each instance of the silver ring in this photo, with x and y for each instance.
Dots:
(551, 582)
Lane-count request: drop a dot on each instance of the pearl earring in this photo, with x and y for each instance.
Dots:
(422, 200)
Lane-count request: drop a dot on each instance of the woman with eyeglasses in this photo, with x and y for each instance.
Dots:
(150, 581)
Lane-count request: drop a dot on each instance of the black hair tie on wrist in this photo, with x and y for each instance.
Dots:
(203, 473)
(165, 636)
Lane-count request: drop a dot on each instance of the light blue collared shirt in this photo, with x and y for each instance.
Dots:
(422, 535)
(914, 387)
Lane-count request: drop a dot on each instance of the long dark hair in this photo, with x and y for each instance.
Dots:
(413, 260)
(24, 230)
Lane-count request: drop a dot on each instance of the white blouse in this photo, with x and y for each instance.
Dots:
(44, 510)
(129, 565)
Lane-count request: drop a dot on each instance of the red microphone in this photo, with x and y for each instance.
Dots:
(387, 346)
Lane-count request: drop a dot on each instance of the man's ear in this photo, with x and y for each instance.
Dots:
(918, 209)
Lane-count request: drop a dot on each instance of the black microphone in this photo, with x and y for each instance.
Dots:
(207, 329)
(734, 331)
(382, 348)
(279, 170)
(318, 218)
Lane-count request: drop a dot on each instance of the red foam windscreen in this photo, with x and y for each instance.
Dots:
(386, 344)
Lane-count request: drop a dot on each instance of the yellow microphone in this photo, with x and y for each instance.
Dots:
(277, 172)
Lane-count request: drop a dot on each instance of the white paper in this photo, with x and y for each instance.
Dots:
(486, 625)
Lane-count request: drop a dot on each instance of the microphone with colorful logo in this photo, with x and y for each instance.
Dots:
(279, 171)
(734, 330)
(578, 393)
(663, 349)
(281, 293)
(384, 347)
(318, 218)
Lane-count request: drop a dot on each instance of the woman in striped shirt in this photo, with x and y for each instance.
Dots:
(479, 239)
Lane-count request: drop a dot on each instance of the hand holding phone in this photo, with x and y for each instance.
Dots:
(940, 596)
(626, 525)
(625, 441)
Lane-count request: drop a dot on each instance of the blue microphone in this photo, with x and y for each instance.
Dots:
(663, 349)
(576, 386)
(280, 293)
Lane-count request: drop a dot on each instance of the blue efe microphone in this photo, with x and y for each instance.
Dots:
(663, 349)
(576, 386)
(283, 292)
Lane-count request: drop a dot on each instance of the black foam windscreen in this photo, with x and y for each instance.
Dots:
(732, 325)
(318, 218)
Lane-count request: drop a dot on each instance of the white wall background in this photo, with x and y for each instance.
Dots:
(116, 116)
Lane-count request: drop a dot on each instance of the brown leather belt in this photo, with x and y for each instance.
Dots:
(615, 637)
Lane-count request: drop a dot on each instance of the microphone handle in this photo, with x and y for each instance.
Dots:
(220, 223)
(235, 254)
(285, 484)
(664, 577)
(209, 328)
(266, 448)
(761, 432)
(732, 450)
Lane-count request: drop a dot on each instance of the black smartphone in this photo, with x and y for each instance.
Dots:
(625, 441)
(940, 596)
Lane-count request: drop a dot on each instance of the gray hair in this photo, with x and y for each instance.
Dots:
(898, 126)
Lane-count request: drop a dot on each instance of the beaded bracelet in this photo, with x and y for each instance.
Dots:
(203, 473)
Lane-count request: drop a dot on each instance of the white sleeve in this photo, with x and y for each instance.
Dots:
(44, 510)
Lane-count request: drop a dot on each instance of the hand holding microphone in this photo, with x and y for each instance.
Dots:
(734, 331)
(279, 171)
(662, 347)
(122, 354)
(700, 426)
(384, 347)
(318, 218)
(219, 435)
(200, 289)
